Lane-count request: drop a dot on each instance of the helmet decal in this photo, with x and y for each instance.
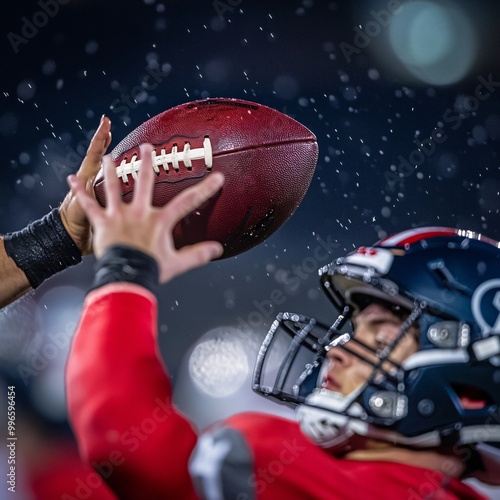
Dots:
(486, 296)
(379, 259)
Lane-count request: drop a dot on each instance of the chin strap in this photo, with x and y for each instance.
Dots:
(329, 419)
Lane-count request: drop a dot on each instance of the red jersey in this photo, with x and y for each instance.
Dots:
(120, 404)
(64, 476)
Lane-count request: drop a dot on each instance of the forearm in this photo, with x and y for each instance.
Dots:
(13, 281)
(119, 397)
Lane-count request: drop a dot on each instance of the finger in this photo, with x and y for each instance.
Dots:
(96, 150)
(88, 204)
(191, 198)
(112, 189)
(107, 140)
(89, 187)
(203, 252)
(143, 191)
(196, 255)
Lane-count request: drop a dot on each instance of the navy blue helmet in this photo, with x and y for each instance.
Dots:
(447, 394)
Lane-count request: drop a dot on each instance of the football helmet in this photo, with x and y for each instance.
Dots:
(447, 394)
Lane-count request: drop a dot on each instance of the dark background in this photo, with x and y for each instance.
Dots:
(90, 57)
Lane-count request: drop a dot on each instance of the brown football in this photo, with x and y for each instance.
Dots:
(268, 160)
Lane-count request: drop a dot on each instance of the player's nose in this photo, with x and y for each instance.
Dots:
(338, 356)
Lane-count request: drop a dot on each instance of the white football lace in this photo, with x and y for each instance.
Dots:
(164, 159)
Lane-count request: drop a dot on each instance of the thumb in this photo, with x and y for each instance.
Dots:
(96, 150)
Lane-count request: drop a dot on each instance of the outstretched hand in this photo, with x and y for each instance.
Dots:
(140, 225)
(72, 215)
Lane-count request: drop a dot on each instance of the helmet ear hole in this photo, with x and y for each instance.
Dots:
(470, 397)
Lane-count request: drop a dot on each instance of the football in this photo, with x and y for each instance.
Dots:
(268, 160)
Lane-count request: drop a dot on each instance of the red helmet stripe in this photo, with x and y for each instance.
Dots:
(412, 235)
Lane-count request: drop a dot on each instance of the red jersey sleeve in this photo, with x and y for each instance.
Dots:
(119, 398)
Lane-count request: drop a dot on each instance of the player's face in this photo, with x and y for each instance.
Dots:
(376, 326)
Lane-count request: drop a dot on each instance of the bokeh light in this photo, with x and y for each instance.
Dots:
(219, 363)
(215, 377)
(434, 41)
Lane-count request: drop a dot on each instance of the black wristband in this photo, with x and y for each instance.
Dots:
(121, 263)
(43, 248)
